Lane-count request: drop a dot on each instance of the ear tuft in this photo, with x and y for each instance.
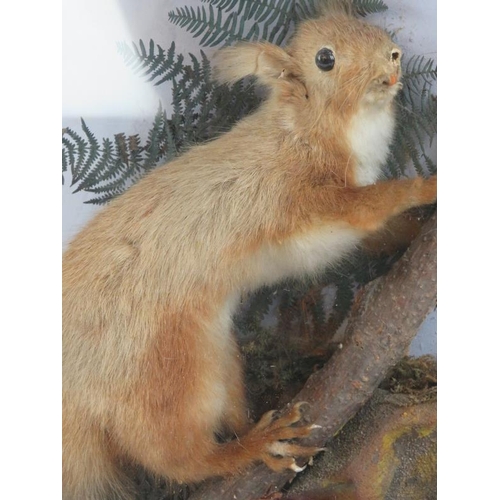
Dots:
(264, 60)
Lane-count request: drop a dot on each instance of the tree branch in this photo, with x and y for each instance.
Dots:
(385, 317)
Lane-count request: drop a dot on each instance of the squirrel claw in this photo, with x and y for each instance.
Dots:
(296, 468)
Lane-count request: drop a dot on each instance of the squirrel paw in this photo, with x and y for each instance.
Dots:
(270, 433)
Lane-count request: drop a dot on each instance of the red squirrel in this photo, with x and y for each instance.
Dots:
(151, 370)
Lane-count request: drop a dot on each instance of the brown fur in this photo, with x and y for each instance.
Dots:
(151, 371)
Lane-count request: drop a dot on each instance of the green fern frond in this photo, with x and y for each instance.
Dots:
(153, 145)
(247, 9)
(84, 165)
(121, 148)
(110, 190)
(81, 147)
(257, 10)
(279, 19)
(419, 72)
(392, 167)
(195, 97)
(64, 163)
(305, 9)
(135, 151)
(270, 20)
(415, 154)
(160, 65)
(429, 116)
(190, 84)
(421, 109)
(420, 68)
(68, 155)
(197, 22)
(130, 152)
(226, 5)
(210, 25)
(170, 68)
(246, 20)
(366, 7)
(103, 169)
(415, 130)
(112, 166)
(430, 164)
(416, 119)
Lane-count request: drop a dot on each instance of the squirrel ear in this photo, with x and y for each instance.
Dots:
(266, 61)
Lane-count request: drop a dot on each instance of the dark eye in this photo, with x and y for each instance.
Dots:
(325, 60)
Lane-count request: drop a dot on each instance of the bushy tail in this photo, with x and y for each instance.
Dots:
(89, 470)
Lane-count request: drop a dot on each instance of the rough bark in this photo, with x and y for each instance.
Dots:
(388, 451)
(386, 316)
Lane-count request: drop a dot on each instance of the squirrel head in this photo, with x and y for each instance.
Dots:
(331, 67)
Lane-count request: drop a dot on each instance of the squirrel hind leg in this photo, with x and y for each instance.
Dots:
(266, 442)
(192, 454)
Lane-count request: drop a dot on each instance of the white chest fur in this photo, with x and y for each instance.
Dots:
(370, 135)
(301, 255)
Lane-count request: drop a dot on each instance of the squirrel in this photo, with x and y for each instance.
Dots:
(151, 369)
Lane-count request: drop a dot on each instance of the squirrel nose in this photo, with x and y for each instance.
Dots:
(391, 80)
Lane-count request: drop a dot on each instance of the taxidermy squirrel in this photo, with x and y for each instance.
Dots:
(151, 370)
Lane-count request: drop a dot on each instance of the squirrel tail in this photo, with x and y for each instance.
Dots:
(90, 472)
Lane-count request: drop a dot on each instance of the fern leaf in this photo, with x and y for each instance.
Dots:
(114, 187)
(121, 148)
(275, 17)
(366, 7)
(81, 152)
(135, 151)
(68, 155)
(64, 163)
(159, 65)
(155, 148)
(215, 29)
(419, 71)
(305, 9)
(93, 153)
(186, 17)
(224, 5)
(253, 10)
(104, 169)
(167, 70)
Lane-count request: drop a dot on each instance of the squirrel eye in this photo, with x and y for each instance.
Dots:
(325, 60)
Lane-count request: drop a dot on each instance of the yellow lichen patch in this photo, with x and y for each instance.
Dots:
(388, 451)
